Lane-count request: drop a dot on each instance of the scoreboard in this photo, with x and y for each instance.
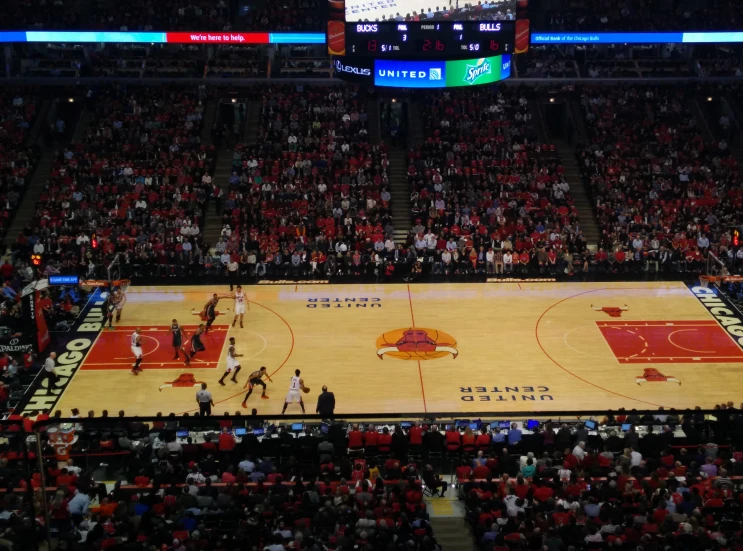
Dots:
(436, 39)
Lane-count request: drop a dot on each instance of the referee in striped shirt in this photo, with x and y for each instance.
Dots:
(205, 401)
(47, 373)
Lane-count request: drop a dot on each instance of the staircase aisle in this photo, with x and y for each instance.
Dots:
(82, 125)
(702, 125)
(538, 120)
(251, 122)
(580, 124)
(210, 115)
(580, 195)
(452, 533)
(372, 110)
(213, 217)
(26, 209)
(400, 192)
(415, 123)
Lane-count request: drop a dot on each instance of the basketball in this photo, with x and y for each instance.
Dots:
(306, 390)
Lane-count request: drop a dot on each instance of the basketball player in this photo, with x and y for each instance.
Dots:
(256, 378)
(232, 363)
(109, 307)
(137, 351)
(294, 395)
(196, 344)
(177, 333)
(119, 301)
(240, 302)
(210, 309)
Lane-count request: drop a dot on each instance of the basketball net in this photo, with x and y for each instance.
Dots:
(705, 280)
(122, 284)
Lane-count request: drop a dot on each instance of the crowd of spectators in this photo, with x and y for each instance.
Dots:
(285, 16)
(487, 196)
(285, 491)
(237, 62)
(635, 481)
(664, 197)
(168, 15)
(644, 15)
(38, 15)
(569, 489)
(547, 62)
(17, 158)
(135, 184)
(310, 197)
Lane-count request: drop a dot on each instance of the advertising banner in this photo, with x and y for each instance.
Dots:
(521, 45)
(441, 74)
(336, 38)
(410, 74)
(354, 70)
(468, 72)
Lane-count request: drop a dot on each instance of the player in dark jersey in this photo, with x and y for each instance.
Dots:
(109, 306)
(210, 309)
(177, 333)
(196, 344)
(256, 378)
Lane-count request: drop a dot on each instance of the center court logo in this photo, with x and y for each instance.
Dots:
(474, 72)
(416, 343)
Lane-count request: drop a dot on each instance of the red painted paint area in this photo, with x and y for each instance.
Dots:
(647, 342)
(112, 350)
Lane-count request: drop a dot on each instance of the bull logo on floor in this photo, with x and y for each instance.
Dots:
(416, 343)
(202, 314)
(612, 311)
(652, 375)
(184, 380)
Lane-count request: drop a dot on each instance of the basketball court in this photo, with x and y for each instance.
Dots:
(427, 348)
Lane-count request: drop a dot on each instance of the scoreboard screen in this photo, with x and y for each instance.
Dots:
(439, 39)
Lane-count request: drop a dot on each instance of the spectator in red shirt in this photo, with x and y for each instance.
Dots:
(416, 434)
(355, 439)
(226, 441)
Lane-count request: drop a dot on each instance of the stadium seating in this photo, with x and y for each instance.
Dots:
(18, 110)
(672, 476)
(177, 15)
(483, 185)
(288, 16)
(661, 192)
(135, 180)
(642, 15)
(312, 189)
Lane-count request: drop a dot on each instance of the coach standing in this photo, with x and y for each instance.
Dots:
(204, 399)
(49, 373)
(325, 403)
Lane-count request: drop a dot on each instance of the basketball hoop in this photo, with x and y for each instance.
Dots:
(122, 284)
(705, 280)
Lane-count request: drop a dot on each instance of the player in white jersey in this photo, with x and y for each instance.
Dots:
(294, 395)
(119, 302)
(136, 341)
(232, 363)
(241, 301)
